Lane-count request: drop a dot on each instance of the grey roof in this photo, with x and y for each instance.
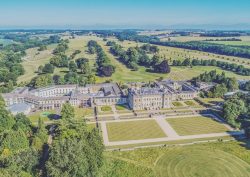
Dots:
(18, 108)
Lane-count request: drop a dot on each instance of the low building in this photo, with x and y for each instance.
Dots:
(20, 108)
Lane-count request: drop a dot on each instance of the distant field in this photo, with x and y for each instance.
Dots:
(34, 59)
(134, 130)
(197, 38)
(6, 41)
(196, 125)
(236, 43)
(172, 53)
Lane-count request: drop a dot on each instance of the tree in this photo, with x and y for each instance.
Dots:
(68, 112)
(40, 69)
(247, 86)
(75, 152)
(232, 109)
(13, 142)
(48, 68)
(23, 123)
(41, 81)
(72, 66)
(186, 62)
(7, 121)
(163, 67)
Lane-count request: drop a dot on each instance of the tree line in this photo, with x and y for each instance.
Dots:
(238, 69)
(76, 149)
(223, 84)
(236, 111)
(237, 51)
(104, 66)
(21, 144)
(79, 69)
(137, 56)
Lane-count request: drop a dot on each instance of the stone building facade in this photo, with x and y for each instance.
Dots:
(158, 96)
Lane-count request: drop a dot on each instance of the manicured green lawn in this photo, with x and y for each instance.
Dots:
(134, 130)
(196, 125)
(200, 162)
(190, 103)
(177, 104)
(121, 107)
(83, 112)
(106, 109)
(218, 159)
(45, 115)
(212, 101)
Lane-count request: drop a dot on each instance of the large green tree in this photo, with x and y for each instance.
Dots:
(232, 109)
(68, 112)
(80, 153)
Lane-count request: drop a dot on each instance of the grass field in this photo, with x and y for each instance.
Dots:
(211, 101)
(34, 59)
(134, 130)
(45, 115)
(83, 112)
(196, 125)
(190, 103)
(189, 162)
(219, 159)
(106, 109)
(172, 53)
(235, 43)
(177, 104)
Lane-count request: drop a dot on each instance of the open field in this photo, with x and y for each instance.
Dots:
(83, 112)
(45, 115)
(196, 125)
(6, 41)
(201, 38)
(134, 130)
(235, 43)
(227, 159)
(177, 104)
(172, 53)
(211, 101)
(200, 162)
(190, 103)
(34, 59)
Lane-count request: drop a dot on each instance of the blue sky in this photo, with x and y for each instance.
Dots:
(122, 13)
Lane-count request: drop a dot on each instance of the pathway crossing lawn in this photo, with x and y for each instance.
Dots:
(196, 125)
(134, 130)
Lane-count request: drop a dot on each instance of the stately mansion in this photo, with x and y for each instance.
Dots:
(158, 95)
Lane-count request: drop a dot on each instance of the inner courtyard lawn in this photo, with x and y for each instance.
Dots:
(190, 103)
(106, 109)
(134, 130)
(177, 104)
(196, 125)
(83, 112)
(45, 116)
